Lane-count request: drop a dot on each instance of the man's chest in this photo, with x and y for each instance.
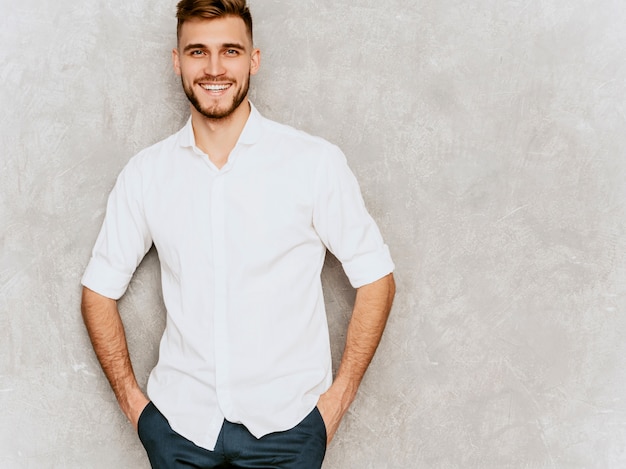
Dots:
(194, 211)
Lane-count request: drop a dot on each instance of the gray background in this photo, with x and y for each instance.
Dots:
(488, 137)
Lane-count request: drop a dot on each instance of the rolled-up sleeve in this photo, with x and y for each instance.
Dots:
(124, 238)
(344, 224)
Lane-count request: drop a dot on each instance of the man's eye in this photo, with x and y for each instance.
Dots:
(197, 52)
(232, 52)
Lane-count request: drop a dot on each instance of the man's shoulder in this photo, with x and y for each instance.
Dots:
(154, 160)
(163, 146)
(288, 134)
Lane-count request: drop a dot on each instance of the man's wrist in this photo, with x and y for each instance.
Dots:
(133, 404)
(345, 390)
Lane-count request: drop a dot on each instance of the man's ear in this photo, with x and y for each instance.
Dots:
(255, 61)
(176, 61)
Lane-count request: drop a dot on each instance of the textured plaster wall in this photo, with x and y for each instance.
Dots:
(489, 139)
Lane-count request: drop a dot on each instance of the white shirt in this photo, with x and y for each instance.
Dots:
(241, 252)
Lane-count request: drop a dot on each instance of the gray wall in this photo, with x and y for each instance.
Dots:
(488, 137)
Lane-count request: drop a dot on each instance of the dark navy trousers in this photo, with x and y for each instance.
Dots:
(302, 447)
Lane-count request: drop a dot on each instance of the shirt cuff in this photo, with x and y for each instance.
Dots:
(369, 267)
(104, 280)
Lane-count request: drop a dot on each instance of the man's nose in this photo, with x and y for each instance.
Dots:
(214, 65)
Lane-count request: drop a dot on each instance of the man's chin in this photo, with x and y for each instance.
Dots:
(218, 112)
(212, 112)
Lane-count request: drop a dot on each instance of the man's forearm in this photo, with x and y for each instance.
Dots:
(108, 338)
(369, 317)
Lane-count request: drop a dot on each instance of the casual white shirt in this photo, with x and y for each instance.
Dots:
(241, 251)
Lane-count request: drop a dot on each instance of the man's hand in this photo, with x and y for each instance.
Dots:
(333, 405)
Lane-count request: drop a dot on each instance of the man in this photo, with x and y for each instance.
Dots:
(241, 210)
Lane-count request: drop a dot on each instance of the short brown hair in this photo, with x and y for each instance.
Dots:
(209, 9)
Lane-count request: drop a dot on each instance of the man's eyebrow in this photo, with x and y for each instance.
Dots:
(228, 45)
(233, 45)
(189, 47)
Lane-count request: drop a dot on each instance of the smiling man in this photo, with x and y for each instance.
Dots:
(241, 210)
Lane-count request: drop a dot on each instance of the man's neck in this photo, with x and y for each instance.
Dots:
(218, 137)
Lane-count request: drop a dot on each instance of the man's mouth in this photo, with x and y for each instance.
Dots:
(210, 87)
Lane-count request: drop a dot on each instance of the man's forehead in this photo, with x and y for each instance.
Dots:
(214, 31)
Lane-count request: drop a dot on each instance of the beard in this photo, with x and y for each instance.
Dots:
(215, 112)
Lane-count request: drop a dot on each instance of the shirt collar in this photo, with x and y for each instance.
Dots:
(250, 134)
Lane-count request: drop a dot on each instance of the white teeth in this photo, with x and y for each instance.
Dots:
(214, 87)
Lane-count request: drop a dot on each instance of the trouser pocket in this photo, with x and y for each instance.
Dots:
(145, 415)
(321, 423)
